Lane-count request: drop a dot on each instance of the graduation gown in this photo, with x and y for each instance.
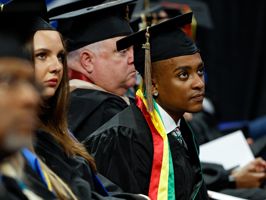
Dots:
(75, 172)
(36, 184)
(216, 179)
(89, 109)
(123, 152)
(10, 189)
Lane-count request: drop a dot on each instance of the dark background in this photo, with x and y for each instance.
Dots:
(234, 53)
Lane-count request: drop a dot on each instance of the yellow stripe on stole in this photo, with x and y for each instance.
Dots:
(49, 184)
(156, 120)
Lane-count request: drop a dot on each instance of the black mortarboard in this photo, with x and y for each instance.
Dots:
(11, 44)
(31, 16)
(95, 23)
(57, 8)
(166, 40)
(159, 42)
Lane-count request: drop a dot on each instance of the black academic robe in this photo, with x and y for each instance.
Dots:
(89, 109)
(123, 152)
(35, 183)
(216, 179)
(10, 189)
(75, 172)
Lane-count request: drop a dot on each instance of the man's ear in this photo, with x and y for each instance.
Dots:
(86, 60)
(154, 87)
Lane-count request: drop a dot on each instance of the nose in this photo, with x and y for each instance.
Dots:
(130, 55)
(56, 65)
(198, 82)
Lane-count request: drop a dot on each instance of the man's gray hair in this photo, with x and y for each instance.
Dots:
(73, 56)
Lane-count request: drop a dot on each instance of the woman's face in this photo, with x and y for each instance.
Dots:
(49, 54)
(18, 103)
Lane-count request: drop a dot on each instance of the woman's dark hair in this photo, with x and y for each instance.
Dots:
(53, 113)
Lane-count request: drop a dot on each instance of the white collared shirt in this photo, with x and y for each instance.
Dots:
(168, 121)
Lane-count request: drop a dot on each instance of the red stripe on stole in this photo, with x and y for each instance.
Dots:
(158, 151)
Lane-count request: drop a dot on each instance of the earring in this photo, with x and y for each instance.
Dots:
(156, 94)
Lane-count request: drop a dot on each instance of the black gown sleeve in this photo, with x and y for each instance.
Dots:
(123, 151)
(216, 177)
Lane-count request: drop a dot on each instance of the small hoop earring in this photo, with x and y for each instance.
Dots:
(156, 94)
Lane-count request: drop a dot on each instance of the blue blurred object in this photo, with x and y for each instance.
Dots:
(232, 125)
(257, 128)
(54, 24)
(205, 77)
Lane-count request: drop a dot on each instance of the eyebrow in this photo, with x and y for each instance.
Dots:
(48, 50)
(187, 67)
(42, 49)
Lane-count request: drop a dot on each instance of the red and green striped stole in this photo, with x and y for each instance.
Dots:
(162, 184)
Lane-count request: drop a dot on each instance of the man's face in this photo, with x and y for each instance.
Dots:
(180, 84)
(18, 102)
(114, 70)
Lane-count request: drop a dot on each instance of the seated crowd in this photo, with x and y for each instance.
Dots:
(69, 131)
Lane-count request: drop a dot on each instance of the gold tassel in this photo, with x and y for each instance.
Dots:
(147, 75)
(2, 7)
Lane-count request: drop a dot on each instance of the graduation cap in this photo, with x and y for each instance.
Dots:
(159, 42)
(61, 7)
(95, 23)
(11, 44)
(31, 16)
(26, 7)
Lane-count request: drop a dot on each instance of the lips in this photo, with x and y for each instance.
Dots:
(134, 71)
(52, 82)
(198, 97)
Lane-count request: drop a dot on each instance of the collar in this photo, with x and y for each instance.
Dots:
(75, 83)
(169, 123)
(77, 75)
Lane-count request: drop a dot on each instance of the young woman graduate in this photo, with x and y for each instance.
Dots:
(54, 144)
(143, 143)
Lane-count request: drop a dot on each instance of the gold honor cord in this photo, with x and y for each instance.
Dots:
(2, 7)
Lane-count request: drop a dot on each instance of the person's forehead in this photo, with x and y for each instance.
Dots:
(47, 39)
(42, 35)
(186, 60)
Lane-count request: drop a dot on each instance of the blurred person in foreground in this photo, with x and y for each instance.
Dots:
(18, 103)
